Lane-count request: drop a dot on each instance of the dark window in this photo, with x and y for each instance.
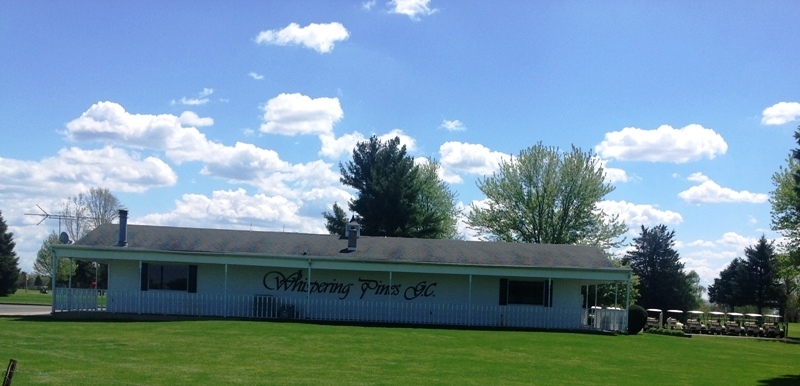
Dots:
(525, 292)
(170, 277)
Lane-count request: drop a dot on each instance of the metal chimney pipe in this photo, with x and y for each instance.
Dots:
(353, 231)
(123, 228)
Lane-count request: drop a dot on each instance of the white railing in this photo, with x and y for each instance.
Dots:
(354, 311)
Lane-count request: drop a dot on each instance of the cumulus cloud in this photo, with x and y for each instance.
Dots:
(411, 8)
(190, 118)
(454, 125)
(709, 192)
(612, 174)
(74, 170)
(318, 37)
(367, 5)
(780, 113)
(255, 76)
(476, 159)
(292, 114)
(665, 144)
(636, 215)
(333, 147)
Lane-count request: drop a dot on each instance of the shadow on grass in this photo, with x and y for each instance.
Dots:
(786, 380)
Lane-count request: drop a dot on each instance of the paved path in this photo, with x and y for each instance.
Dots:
(23, 309)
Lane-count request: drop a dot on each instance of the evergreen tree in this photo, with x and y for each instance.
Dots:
(662, 281)
(9, 268)
(763, 285)
(394, 196)
(335, 222)
(729, 289)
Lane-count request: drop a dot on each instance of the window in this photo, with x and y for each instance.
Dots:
(525, 292)
(169, 277)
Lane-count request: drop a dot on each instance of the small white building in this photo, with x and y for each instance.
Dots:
(246, 274)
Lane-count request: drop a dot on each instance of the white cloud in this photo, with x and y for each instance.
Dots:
(202, 98)
(468, 158)
(612, 174)
(333, 147)
(737, 241)
(780, 113)
(664, 144)
(75, 170)
(292, 114)
(700, 243)
(636, 215)
(411, 8)
(319, 37)
(709, 192)
(454, 125)
(255, 76)
(405, 139)
(367, 5)
(190, 118)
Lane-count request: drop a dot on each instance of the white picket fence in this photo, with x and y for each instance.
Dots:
(269, 307)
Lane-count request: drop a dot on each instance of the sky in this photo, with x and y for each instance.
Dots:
(204, 114)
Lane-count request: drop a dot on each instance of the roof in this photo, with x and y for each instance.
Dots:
(371, 249)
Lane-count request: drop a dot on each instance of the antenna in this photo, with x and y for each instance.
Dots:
(44, 215)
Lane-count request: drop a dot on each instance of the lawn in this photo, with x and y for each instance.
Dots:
(33, 296)
(247, 352)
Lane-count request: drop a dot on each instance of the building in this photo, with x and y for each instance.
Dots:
(354, 279)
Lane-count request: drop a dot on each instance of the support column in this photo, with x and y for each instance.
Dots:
(53, 273)
(308, 292)
(469, 302)
(225, 294)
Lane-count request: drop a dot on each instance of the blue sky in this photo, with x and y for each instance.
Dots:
(209, 115)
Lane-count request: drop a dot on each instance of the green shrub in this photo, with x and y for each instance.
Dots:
(637, 318)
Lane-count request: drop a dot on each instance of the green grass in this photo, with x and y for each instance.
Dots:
(210, 352)
(31, 297)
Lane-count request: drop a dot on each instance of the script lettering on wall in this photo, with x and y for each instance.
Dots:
(294, 282)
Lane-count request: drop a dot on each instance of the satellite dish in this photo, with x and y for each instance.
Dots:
(64, 238)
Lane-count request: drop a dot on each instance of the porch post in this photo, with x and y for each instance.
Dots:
(308, 291)
(391, 298)
(225, 294)
(53, 273)
(139, 311)
(469, 302)
(627, 298)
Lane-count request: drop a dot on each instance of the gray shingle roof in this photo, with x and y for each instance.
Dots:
(376, 249)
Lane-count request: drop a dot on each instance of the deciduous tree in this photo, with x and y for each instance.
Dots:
(547, 196)
(44, 262)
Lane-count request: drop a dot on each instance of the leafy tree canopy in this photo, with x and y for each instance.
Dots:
(547, 196)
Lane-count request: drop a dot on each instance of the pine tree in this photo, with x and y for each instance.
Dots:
(9, 269)
(662, 280)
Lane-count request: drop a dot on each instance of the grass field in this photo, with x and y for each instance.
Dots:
(207, 352)
(31, 297)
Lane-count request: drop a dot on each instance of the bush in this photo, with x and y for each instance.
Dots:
(637, 318)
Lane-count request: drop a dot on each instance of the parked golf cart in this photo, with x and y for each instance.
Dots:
(654, 317)
(772, 326)
(734, 324)
(751, 324)
(715, 323)
(694, 322)
(673, 320)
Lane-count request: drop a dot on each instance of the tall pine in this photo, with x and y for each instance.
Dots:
(9, 269)
(662, 281)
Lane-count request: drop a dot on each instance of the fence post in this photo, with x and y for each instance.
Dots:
(12, 366)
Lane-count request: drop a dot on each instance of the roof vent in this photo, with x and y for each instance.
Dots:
(123, 228)
(353, 232)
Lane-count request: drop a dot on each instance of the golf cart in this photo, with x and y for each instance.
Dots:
(673, 320)
(715, 323)
(734, 324)
(694, 323)
(654, 316)
(751, 327)
(772, 326)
